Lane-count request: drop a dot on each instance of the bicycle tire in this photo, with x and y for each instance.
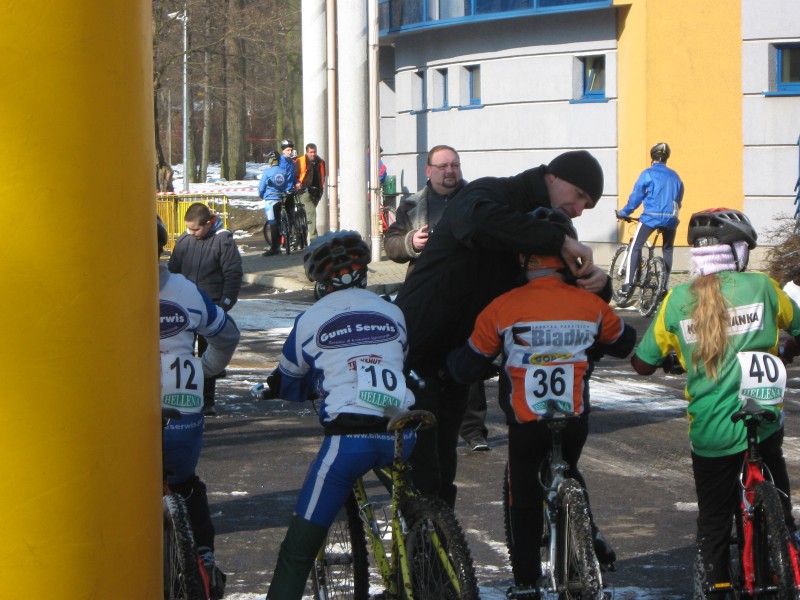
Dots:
(577, 568)
(182, 577)
(654, 283)
(286, 241)
(771, 562)
(301, 229)
(341, 570)
(267, 236)
(617, 272)
(433, 531)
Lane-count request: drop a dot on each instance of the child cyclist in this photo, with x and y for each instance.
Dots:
(707, 322)
(350, 349)
(545, 330)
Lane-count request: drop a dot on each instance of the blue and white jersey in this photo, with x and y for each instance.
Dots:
(184, 310)
(350, 347)
(273, 183)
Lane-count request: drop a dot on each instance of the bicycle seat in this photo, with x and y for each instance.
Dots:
(416, 419)
(753, 410)
(555, 412)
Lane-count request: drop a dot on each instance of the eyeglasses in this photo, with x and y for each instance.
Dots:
(455, 165)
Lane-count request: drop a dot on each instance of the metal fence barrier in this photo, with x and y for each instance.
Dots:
(172, 207)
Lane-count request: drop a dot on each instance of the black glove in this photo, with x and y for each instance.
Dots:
(671, 364)
(789, 350)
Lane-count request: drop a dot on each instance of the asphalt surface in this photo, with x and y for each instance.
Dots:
(636, 463)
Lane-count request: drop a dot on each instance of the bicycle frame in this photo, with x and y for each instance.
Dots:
(753, 474)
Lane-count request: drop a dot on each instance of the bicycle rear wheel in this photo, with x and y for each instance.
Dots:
(286, 240)
(182, 576)
(618, 272)
(439, 561)
(773, 567)
(577, 567)
(654, 282)
(341, 569)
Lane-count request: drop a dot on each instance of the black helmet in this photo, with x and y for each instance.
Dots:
(287, 143)
(161, 232)
(273, 158)
(556, 217)
(721, 226)
(338, 260)
(660, 152)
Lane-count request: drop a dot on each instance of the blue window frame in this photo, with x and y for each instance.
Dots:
(474, 85)
(420, 91)
(788, 68)
(594, 77)
(443, 99)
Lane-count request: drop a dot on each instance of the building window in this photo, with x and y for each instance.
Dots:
(419, 91)
(788, 68)
(593, 76)
(440, 99)
(474, 85)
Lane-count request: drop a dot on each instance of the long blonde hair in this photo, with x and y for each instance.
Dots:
(711, 321)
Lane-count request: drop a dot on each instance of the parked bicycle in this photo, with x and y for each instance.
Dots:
(388, 214)
(569, 564)
(292, 225)
(185, 577)
(650, 278)
(765, 562)
(428, 557)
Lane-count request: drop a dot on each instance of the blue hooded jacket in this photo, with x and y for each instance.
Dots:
(661, 190)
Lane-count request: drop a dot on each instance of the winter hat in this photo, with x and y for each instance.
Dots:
(581, 169)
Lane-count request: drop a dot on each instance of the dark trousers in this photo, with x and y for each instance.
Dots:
(474, 422)
(434, 458)
(528, 446)
(210, 383)
(640, 237)
(716, 481)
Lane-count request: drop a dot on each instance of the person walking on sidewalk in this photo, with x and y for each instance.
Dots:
(309, 172)
(661, 190)
(206, 254)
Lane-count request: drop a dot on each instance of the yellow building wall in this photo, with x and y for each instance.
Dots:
(80, 435)
(680, 81)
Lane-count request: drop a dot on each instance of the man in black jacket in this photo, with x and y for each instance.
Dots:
(471, 258)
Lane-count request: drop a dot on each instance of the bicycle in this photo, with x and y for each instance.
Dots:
(651, 275)
(766, 562)
(185, 576)
(428, 556)
(388, 214)
(570, 567)
(292, 225)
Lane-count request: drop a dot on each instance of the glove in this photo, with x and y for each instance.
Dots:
(671, 364)
(788, 351)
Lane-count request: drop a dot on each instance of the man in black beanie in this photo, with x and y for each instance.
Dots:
(472, 257)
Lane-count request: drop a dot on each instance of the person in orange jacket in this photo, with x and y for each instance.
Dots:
(309, 171)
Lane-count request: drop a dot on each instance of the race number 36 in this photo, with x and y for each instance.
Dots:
(549, 382)
(763, 377)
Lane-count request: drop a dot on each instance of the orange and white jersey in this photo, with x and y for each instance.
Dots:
(544, 330)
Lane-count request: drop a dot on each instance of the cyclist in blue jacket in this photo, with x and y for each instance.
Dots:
(661, 190)
(271, 188)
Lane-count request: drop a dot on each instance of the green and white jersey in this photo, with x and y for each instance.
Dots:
(758, 310)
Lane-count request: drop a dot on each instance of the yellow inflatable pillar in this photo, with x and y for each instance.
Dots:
(79, 419)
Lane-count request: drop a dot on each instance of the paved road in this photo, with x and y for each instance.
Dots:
(636, 463)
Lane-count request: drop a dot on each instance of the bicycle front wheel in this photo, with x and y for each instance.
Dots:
(439, 561)
(654, 283)
(577, 567)
(182, 577)
(301, 229)
(341, 570)
(618, 272)
(773, 567)
(286, 240)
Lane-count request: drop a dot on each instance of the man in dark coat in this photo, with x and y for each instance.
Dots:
(471, 258)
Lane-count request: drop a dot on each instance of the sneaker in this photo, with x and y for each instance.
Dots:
(209, 411)
(216, 578)
(479, 444)
(625, 289)
(604, 552)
